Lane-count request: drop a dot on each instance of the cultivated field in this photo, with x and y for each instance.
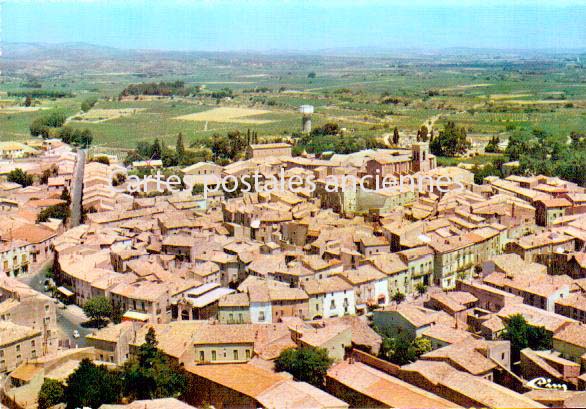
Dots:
(228, 114)
(102, 115)
(366, 96)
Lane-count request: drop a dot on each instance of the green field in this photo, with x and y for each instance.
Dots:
(367, 97)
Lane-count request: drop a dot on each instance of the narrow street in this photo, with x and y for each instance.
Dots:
(68, 319)
(77, 188)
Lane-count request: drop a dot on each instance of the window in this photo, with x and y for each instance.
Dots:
(333, 305)
(33, 343)
(201, 356)
(248, 354)
(261, 315)
(236, 355)
(18, 348)
(214, 357)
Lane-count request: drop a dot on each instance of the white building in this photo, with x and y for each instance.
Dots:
(330, 297)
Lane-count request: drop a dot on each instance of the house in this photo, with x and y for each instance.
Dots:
(538, 290)
(223, 343)
(547, 242)
(462, 388)
(112, 343)
(336, 339)
(15, 256)
(536, 317)
(573, 306)
(330, 297)
(143, 297)
(18, 344)
(370, 286)
(234, 309)
(202, 173)
(162, 403)
(267, 150)
(570, 342)
(441, 335)
(489, 298)
(408, 320)
(477, 357)
(249, 386)
(550, 365)
(363, 386)
(455, 303)
(26, 307)
(547, 211)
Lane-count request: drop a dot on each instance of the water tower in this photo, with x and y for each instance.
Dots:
(306, 111)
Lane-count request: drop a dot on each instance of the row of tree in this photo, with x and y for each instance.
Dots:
(53, 126)
(329, 137)
(162, 89)
(539, 152)
(40, 93)
(180, 156)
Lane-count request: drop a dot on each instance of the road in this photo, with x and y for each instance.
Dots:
(68, 319)
(77, 188)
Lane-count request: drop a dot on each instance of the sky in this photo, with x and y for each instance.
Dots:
(301, 25)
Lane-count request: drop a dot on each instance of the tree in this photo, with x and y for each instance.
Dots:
(311, 75)
(306, 364)
(493, 145)
(396, 136)
(44, 179)
(420, 288)
(92, 386)
(451, 141)
(60, 211)
(65, 195)
(156, 150)
(101, 159)
(88, 103)
(423, 133)
(398, 297)
(150, 375)
(180, 148)
(52, 392)
(20, 176)
(523, 335)
(98, 309)
(28, 101)
(401, 350)
(86, 138)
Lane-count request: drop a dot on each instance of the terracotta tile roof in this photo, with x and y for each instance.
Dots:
(464, 354)
(32, 233)
(327, 285)
(555, 202)
(446, 333)
(246, 379)
(487, 393)
(386, 389)
(225, 334)
(234, 300)
(299, 395)
(574, 334)
(536, 316)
